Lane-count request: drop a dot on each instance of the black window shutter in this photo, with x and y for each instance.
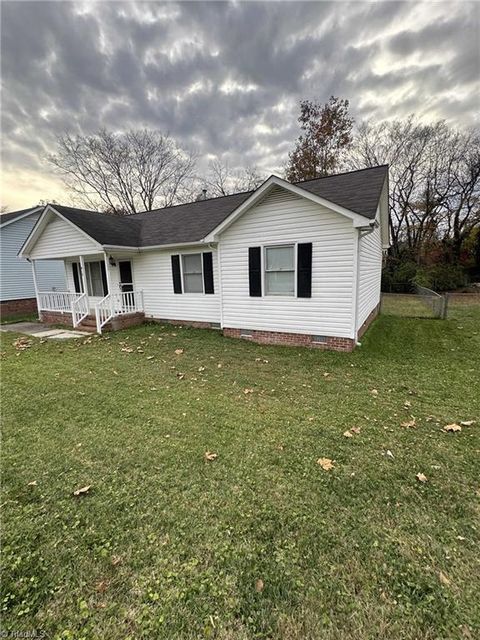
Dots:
(304, 270)
(77, 283)
(104, 278)
(255, 270)
(208, 272)
(177, 278)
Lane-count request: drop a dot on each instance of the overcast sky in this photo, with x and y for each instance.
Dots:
(222, 78)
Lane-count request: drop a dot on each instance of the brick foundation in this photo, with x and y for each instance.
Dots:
(56, 317)
(371, 317)
(291, 339)
(195, 324)
(126, 321)
(18, 307)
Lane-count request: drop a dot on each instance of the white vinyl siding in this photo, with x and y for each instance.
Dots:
(152, 272)
(61, 239)
(16, 279)
(282, 217)
(369, 274)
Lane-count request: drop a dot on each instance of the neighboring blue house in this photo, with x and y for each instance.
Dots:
(17, 291)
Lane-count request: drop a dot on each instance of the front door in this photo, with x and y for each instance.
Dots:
(126, 285)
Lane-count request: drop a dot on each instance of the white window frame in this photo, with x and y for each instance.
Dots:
(192, 293)
(274, 245)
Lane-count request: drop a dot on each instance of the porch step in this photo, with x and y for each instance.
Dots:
(89, 323)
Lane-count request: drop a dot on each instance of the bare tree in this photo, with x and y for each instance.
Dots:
(221, 180)
(124, 173)
(434, 180)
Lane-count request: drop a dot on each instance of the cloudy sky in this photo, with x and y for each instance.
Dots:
(224, 79)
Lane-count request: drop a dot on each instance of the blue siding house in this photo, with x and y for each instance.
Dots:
(17, 291)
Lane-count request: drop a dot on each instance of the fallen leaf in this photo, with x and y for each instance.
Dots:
(259, 586)
(374, 392)
(127, 349)
(210, 457)
(115, 373)
(443, 578)
(32, 484)
(389, 454)
(452, 427)
(150, 357)
(348, 434)
(326, 374)
(407, 404)
(467, 423)
(201, 368)
(409, 424)
(421, 477)
(83, 490)
(246, 391)
(355, 429)
(178, 352)
(101, 586)
(326, 463)
(180, 376)
(219, 365)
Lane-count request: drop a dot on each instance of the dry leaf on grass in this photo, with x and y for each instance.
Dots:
(326, 463)
(348, 434)
(150, 357)
(178, 352)
(209, 456)
(247, 391)
(421, 477)
(452, 427)
(409, 423)
(259, 586)
(374, 392)
(83, 490)
(32, 484)
(389, 454)
(443, 578)
(101, 586)
(21, 344)
(467, 423)
(180, 376)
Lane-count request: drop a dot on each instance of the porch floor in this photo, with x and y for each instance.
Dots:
(38, 330)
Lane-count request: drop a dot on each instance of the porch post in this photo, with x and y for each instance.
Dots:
(84, 275)
(107, 273)
(35, 284)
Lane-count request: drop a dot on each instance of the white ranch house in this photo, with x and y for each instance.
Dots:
(295, 264)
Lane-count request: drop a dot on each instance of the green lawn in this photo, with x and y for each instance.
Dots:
(261, 542)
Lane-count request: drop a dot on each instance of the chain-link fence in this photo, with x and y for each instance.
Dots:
(420, 302)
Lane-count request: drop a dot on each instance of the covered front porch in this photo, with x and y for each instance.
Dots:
(100, 293)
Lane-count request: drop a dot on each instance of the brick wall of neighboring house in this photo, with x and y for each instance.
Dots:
(370, 318)
(292, 339)
(56, 317)
(18, 307)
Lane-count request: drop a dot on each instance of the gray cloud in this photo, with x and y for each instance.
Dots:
(226, 78)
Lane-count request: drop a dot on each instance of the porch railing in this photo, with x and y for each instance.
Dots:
(57, 300)
(117, 304)
(80, 309)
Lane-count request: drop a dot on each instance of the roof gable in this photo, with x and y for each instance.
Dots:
(13, 216)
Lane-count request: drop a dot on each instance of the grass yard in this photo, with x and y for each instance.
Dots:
(260, 542)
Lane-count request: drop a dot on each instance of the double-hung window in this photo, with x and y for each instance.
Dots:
(192, 273)
(280, 270)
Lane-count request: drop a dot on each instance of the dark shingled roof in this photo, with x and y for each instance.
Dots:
(359, 191)
(12, 215)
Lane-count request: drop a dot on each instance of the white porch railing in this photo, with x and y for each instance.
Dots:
(117, 304)
(57, 300)
(80, 309)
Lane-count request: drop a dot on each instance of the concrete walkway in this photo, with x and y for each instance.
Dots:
(39, 330)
